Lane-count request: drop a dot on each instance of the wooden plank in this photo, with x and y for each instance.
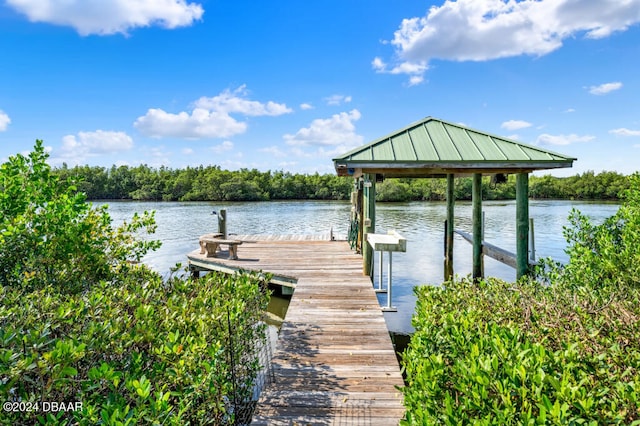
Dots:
(494, 252)
(334, 362)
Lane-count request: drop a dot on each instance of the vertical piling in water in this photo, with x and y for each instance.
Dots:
(477, 225)
(449, 227)
(522, 224)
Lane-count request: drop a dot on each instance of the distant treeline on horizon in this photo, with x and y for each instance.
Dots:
(211, 183)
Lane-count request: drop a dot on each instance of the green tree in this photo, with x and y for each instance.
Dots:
(50, 235)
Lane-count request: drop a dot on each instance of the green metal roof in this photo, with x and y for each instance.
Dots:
(432, 147)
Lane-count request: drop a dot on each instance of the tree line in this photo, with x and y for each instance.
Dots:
(211, 183)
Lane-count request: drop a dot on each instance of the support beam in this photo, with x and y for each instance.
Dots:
(448, 238)
(477, 226)
(360, 215)
(522, 225)
(369, 204)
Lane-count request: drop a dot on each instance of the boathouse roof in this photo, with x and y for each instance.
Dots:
(434, 148)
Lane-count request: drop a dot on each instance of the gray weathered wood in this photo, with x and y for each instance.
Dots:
(501, 255)
(334, 362)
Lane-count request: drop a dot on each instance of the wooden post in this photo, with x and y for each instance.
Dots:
(369, 203)
(448, 256)
(222, 223)
(522, 224)
(477, 226)
(360, 215)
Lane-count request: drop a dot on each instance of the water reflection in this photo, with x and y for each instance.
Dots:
(422, 223)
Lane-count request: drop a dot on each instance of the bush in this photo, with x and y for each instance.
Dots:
(500, 353)
(562, 349)
(82, 322)
(49, 235)
(146, 351)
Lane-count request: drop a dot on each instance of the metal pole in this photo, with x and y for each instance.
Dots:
(389, 292)
(532, 242)
(380, 289)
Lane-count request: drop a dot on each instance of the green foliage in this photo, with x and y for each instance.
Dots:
(203, 184)
(49, 235)
(605, 255)
(214, 184)
(146, 351)
(81, 321)
(560, 349)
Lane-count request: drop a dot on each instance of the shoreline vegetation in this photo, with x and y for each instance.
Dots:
(559, 347)
(81, 320)
(211, 183)
(85, 324)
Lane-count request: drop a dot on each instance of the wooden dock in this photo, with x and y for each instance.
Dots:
(334, 362)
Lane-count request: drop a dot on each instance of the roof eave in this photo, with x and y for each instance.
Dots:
(431, 169)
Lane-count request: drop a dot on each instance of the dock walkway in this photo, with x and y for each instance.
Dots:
(334, 362)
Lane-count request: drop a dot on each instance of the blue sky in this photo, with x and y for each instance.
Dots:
(288, 85)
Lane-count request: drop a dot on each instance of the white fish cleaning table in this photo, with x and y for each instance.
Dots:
(390, 242)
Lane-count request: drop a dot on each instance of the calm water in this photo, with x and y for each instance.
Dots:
(422, 223)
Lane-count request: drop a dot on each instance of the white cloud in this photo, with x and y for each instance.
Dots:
(77, 148)
(223, 147)
(274, 151)
(235, 102)
(480, 30)
(306, 106)
(104, 17)
(197, 124)
(625, 132)
(548, 139)
(286, 165)
(414, 70)
(4, 121)
(334, 131)
(605, 88)
(515, 124)
(569, 110)
(337, 99)
(187, 151)
(210, 117)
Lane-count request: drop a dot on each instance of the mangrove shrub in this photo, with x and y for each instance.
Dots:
(84, 324)
(560, 348)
